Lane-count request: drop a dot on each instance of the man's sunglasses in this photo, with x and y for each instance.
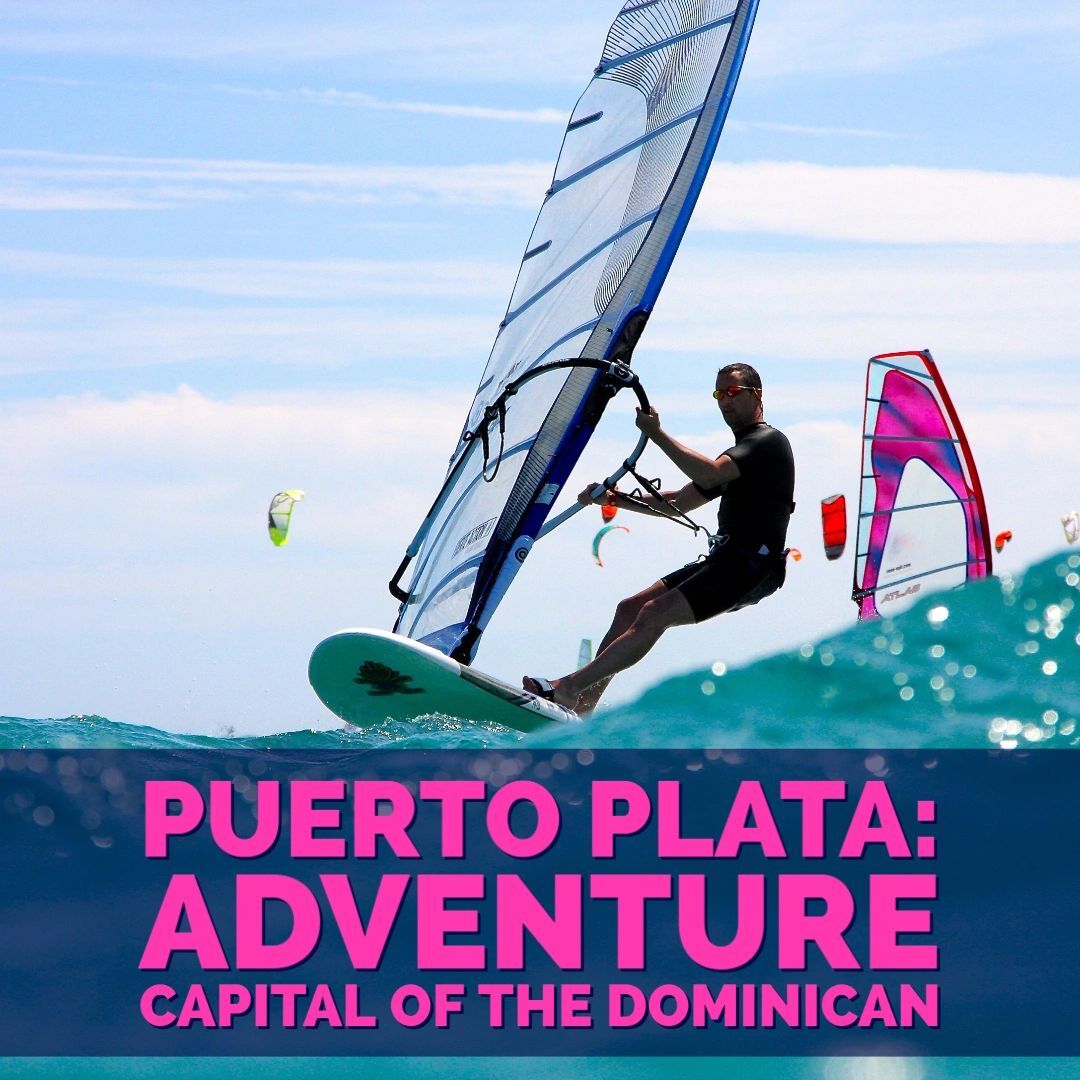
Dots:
(730, 391)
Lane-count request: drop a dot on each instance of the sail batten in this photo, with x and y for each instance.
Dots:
(637, 54)
(574, 267)
(870, 437)
(575, 124)
(899, 367)
(632, 163)
(608, 159)
(913, 506)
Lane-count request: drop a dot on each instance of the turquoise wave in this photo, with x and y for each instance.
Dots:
(994, 664)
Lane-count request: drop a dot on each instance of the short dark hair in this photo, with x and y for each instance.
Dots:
(746, 375)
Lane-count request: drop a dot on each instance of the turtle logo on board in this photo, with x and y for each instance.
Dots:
(384, 680)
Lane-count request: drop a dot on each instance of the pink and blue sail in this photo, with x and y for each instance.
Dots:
(922, 523)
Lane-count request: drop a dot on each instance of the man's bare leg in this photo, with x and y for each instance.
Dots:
(661, 612)
(625, 614)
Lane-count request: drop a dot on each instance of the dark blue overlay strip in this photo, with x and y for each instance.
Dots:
(991, 828)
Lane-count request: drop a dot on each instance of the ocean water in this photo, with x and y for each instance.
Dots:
(996, 664)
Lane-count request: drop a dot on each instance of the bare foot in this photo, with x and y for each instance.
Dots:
(553, 690)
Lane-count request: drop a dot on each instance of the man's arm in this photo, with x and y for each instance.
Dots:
(705, 471)
(684, 500)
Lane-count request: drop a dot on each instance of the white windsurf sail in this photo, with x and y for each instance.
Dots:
(633, 159)
(922, 517)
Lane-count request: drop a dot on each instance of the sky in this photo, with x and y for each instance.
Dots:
(253, 247)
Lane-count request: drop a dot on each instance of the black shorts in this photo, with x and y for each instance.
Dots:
(726, 580)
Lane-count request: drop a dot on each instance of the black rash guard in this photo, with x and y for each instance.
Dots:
(756, 506)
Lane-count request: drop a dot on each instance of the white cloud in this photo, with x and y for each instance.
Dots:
(327, 280)
(356, 99)
(894, 204)
(184, 478)
(71, 335)
(139, 438)
(140, 555)
(35, 197)
(481, 40)
(967, 305)
(853, 37)
(52, 180)
(996, 304)
(814, 132)
(418, 40)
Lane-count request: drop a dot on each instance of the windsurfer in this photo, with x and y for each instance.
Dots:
(754, 481)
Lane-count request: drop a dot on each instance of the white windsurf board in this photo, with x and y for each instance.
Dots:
(370, 676)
